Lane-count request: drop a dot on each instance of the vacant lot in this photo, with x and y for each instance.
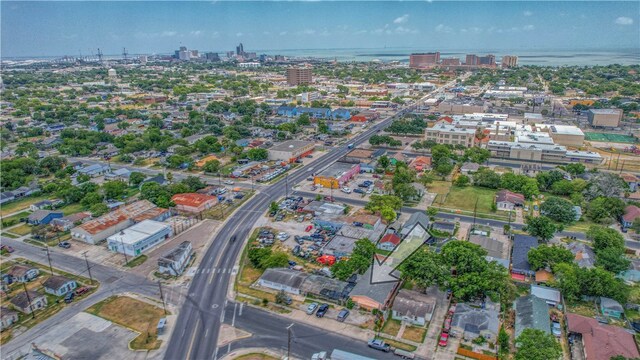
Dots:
(464, 198)
(21, 204)
(391, 327)
(22, 229)
(134, 314)
(415, 334)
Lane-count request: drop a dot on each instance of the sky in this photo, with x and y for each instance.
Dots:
(55, 28)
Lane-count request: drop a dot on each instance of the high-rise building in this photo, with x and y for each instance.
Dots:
(211, 56)
(471, 59)
(230, 54)
(509, 61)
(420, 60)
(240, 50)
(489, 60)
(298, 75)
(450, 61)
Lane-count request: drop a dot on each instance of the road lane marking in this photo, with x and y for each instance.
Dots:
(206, 332)
(193, 337)
(240, 311)
(233, 320)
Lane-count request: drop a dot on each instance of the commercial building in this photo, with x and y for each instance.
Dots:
(175, 262)
(451, 135)
(450, 61)
(567, 135)
(462, 106)
(604, 117)
(138, 238)
(336, 175)
(509, 61)
(299, 76)
(291, 150)
(300, 283)
(557, 154)
(471, 60)
(424, 60)
(488, 60)
(194, 202)
(98, 229)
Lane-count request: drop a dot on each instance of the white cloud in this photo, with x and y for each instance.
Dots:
(623, 20)
(527, 13)
(168, 33)
(404, 30)
(239, 34)
(528, 28)
(402, 19)
(307, 32)
(442, 28)
(195, 32)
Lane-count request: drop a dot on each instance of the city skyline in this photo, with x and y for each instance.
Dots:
(46, 29)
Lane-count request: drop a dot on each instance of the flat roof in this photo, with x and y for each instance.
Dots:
(291, 145)
(606, 111)
(337, 169)
(562, 129)
(139, 231)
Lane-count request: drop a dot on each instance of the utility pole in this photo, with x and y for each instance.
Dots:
(475, 209)
(124, 252)
(26, 292)
(162, 298)
(289, 342)
(88, 267)
(49, 258)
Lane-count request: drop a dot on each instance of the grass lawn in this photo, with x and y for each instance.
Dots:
(415, 334)
(22, 229)
(21, 204)
(583, 308)
(391, 327)
(134, 314)
(137, 261)
(580, 226)
(255, 356)
(11, 236)
(71, 209)
(14, 219)
(399, 344)
(464, 198)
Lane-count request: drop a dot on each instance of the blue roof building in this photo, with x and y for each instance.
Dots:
(318, 113)
(288, 111)
(341, 113)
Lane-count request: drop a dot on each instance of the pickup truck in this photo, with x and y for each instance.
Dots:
(379, 345)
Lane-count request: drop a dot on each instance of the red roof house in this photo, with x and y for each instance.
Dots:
(194, 202)
(600, 341)
(631, 212)
(388, 242)
(421, 162)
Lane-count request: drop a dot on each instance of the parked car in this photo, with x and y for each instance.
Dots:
(228, 182)
(322, 310)
(7, 248)
(65, 245)
(329, 198)
(69, 297)
(379, 345)
(81, 290)
(447, 324)
(444, 338)
(555, 329)
(282, 236)
(358, 191)
(312, 308)
(342, 315)
(346, 190)
(358, 224)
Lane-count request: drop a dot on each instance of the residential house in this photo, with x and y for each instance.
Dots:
(632, 181)
(29, 301)
(507, 200)
(373, 296)
(158, 179)
(67, 222)
(175, 262)
(43, 217)
(8, 317)
(121, 174)
(414, 307)
(600, 341)
(550, 295)
(494, 247)
(22, 273)
(584, 255)
(59, 285)
(388, 242)
(282, 279)
(194, 202)
(631, 212)
(531, 313)
(611, 308)
(444, 226)
(469, 168)
(40, 205)
(471, 321)
(520, 267)
(418, 218)
(421, 163)
(6, 196)
(94, 170)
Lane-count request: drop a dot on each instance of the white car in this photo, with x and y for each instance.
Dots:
(282, 236)
(346, 190)
(228, 182)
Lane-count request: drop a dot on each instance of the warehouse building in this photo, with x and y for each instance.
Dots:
(605, 117)
(291, 150)
(337, 175)
(194, 202)
(139, 238)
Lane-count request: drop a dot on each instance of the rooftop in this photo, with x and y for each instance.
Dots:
(602, 341)
(139, 231)
(531, 313)
(605, 111)
(55, 282)
(413, 303)
(291, 145)
(336, 170)
(493, 246)
(192, 199)
(131, 211)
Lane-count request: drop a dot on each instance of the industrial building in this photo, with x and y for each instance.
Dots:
(604, 117)
(98, 229)
(139, 238)
(299, 76)
(337, 175)
(291, 150)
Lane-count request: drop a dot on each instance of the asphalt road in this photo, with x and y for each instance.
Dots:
(270, 331)
(196, 333)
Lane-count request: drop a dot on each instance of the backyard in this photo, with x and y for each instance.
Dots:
(134, 314)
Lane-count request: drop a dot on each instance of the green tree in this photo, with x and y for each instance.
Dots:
(534, 344)
(98, 209)
(603, 238)
(605, 210)
(388, 214)
(83, 178)
(136, 178)
(276, 259)
(211, 166)
(384, 162)
(477, 155)
(432, 212)
(377, 202)
(547, 256)
(541, 227)
(257, 154)
(461, 181)
(194, 183)
(487, 178)
(559, 210)
(425, 268)
(613, 260)
(91, 199)
(114, 189)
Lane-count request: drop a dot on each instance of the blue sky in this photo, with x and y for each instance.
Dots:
(69, 28)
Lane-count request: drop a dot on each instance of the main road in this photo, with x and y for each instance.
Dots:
(196, 332)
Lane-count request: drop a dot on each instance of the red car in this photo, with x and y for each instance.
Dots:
(8, 248)
(447, 324)
(444, 338)
(308, 228)
(328, 198)
(81, 290)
